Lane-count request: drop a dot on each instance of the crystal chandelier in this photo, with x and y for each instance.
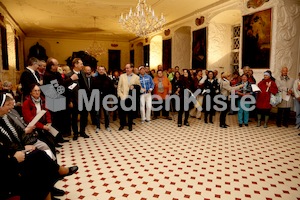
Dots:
(96, 48)
(142, 21)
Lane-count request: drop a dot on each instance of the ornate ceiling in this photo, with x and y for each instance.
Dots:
(74, 18)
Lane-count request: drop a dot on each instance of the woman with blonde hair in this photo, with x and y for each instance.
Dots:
(225, 91)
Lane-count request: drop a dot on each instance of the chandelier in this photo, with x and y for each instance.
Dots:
(96, 48)
(142, 21)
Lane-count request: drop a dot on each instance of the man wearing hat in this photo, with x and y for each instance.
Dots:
(147, 86)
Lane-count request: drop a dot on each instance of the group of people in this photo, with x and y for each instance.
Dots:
(153, 91)
(29, 152)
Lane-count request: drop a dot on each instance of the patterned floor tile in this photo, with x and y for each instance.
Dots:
(159, 160)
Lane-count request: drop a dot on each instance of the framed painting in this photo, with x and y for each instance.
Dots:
(257, 40)
(199, 49)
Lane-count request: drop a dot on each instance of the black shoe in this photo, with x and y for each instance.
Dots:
(130, 128)
(58, 145)
(285, 125)
(63, 140)
(72, 170)
(240, 125)
(299, 134)
(179, 125)
(133, 123)
(84, 135)
(121, 128)
(246, 124)
(211, 122)
(75, 137)
(57, 192)
(205, 121)
(186, 124)
(223, 126)
(278, 124)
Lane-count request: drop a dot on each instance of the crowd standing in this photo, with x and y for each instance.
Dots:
(139, 89)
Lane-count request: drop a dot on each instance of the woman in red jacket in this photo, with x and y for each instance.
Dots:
(263, 106)
(33, 105)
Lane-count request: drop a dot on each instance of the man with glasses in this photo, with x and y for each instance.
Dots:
(30, 76)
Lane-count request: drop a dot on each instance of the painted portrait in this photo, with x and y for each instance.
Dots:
(199, 49)
(257, 40)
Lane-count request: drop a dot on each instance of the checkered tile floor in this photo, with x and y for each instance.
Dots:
(159, 160)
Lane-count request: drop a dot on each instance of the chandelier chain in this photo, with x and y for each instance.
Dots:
(96, 48)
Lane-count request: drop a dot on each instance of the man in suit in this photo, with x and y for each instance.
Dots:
(127, 83)
(73, 88)
(30, 76)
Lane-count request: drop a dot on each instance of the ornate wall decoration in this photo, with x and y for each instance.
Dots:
(199, 21)
(181, 55)
(286, 37)
(167, 32)
(219, 46)
(255, 3)
(114, 45)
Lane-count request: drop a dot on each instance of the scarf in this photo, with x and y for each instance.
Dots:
(11, 128)
(36, 101)
(286, 78)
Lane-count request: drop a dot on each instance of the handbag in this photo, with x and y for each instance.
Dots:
(276, 99)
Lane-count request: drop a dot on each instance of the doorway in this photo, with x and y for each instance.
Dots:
(114, 59)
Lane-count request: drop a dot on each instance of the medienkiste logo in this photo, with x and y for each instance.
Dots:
(55, 101)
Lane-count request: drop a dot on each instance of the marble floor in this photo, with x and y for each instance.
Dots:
(159, 160)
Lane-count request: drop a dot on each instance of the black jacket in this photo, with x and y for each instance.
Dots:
(9, 173)
(27, 78)
(104, 84)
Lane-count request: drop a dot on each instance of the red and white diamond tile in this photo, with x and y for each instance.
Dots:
(158, 160)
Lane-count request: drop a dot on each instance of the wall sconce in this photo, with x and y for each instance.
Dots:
(199, 21)
(146, 40)
(167, 32)
(114, 45)
(255, 4)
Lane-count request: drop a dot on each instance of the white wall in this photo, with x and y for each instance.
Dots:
(182, 48)
(219, 47)
(155, 51)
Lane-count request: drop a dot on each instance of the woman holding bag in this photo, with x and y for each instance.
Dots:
(267, 87)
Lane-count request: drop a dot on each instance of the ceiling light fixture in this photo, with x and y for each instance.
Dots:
(142, 21)
(96, 48)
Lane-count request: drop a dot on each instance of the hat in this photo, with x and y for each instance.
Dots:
(141, 67)
(2, 99)
(268, 73)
